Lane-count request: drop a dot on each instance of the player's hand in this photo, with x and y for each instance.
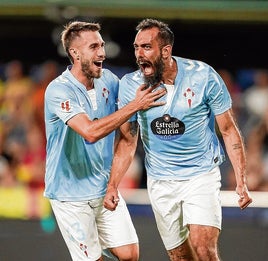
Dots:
(111, 199)
(146, 97)
(244, 197)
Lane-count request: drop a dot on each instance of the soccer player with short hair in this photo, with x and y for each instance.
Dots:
(182, 151)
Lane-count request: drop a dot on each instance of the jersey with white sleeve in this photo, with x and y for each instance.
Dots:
(179, 138)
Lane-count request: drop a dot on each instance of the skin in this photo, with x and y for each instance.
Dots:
(88, 54)
(202, 242)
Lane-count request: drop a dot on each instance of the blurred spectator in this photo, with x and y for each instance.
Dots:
(22, 148)
(257, 149)
(18, 201)
(234, 90)
(21, 136)
(17, 90)
(31, 169)
(1, 121)
(256, 99)
(16, 105)
(7, 175)
(46, 73)
(257, 157)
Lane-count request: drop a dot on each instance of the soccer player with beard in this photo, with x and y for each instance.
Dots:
(182, 151)
(81, 116)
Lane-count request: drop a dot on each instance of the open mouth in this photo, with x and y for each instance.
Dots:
(146, 67)
(98, 64)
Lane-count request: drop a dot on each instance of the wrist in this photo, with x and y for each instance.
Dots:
(111, 186)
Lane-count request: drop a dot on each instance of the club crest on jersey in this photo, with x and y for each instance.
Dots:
(167, 127)
(189, 94)
(66, 106)
(105, 94)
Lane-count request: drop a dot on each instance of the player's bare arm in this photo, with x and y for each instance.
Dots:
(236, 151)
(97, 129)
(123, 157)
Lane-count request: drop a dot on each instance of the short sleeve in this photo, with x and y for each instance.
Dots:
(61, 102)
(217, 94)
(127, 93)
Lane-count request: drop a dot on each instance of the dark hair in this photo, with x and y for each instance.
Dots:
(72, 30)
(165, 34)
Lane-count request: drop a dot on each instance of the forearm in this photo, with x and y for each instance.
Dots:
(106, 125)
(121, 164)
(124, 153)
(236, 152)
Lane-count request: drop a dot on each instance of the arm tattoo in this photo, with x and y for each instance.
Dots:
(236, 146)
(134, 128)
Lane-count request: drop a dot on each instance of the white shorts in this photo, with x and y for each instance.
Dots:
(178, 203)
(87, 227)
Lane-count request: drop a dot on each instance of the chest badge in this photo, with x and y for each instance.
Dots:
(189, 94)
(105, 94)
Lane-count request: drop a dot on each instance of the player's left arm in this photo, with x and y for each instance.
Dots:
(236, 151)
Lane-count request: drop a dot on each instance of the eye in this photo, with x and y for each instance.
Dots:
(93, 46)
(147, 47)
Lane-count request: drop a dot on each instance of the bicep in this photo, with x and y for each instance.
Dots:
(129, 132)
(226, 122)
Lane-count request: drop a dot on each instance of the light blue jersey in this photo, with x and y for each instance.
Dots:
(179, 138)
(75, 168)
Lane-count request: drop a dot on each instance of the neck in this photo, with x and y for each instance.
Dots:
(170, 72)
(87, 82)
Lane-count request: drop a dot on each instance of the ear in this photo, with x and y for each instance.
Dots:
(166, 51)
(74, 53)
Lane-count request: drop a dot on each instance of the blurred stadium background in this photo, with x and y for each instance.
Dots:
(229, 35)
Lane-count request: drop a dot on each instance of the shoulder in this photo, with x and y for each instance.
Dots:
(133, 78)
(58, 84)
(190, 65)
(109, 76)
(61, 86)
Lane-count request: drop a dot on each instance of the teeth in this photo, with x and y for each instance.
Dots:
(98, 63)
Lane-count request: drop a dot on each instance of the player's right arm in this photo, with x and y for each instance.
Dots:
(124, 153)
(97, 129)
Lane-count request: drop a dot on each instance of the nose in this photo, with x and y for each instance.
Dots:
(139, 53)
(101, 52)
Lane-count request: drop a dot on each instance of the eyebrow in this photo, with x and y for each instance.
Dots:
(142, 45)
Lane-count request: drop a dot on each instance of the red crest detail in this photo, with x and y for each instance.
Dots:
(188, 95)
(65, 106)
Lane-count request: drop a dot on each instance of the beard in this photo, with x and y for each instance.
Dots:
(158, 66)
(89, 73)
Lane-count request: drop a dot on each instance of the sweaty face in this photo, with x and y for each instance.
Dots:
(148, 55)
(92, 54)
